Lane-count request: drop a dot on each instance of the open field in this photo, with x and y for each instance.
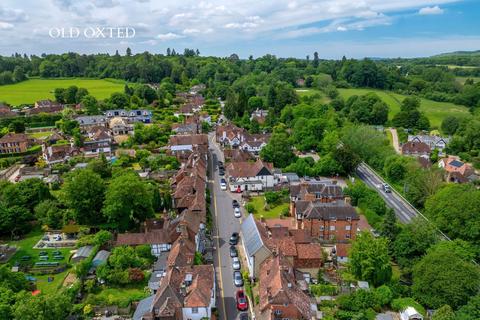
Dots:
(27, 92)
(274, 212)
(435, 111)
(311, 92)
(463, 79)
(454, 66)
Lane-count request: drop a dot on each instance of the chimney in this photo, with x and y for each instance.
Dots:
(348, 200)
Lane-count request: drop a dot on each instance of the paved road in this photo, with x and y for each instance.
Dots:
(404, 211)
(226, 223)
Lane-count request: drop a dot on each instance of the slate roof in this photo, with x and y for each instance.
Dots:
(254, 235)
(338, 210)
(322, 189)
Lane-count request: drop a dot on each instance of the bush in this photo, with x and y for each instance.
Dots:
(272, 197)
(250, 208)
(401, 304)
(323, 290)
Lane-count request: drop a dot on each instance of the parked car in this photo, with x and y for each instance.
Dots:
(242, 303)
(236, 212)
(235, 204)
(243, 316)
(233, 238)
(233, 251)
(237, 279)
(236, 263)
(221, 172)
(223, 184)
(386, 188)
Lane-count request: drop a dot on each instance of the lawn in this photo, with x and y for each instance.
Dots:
(25, 248)
(50, 287)
(27, 92)
(259, 205)
(435, 111)
(40, 135)
(118, 296)
(310, 92)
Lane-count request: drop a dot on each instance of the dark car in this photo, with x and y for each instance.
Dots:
(233, 251)
(235, 204)
(221, 172)
(233, 239)
(242, 303)
(386, 188)
(243, 316)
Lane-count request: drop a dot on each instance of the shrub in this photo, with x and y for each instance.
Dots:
(323, 290)
(401, 304)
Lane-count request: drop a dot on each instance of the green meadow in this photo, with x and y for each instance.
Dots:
(29, 91)
(435, 111)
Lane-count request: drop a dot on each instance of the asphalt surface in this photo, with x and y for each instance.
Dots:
(403, 210)
(225, 224)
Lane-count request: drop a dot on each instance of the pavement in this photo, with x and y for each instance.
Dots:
(404, 211)
(225, 224)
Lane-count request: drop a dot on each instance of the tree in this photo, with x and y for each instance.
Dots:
(315, 59)
(389, 227)
(84, 192)
(369, 259)
(59, 94)
(347, 159)
(450, 125)
(395, 168)
(230, 109)
(81, 93)
(119, 100)
(421, 184)
(129, 52)
(444, 313)
(443, 277)
(42, 306)
(90, 104)
(410, 116)
(70, 94)
(128, 201)
(413, 242)
(19, 74)
(17, 126)
(470, 311)
(50, 213)
(454, 210)
(279, 149)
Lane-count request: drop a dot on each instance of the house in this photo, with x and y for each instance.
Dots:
(184, 145)
(323, 191)
(434, 142)
(259, 115)
(45, 106)
(98, 141)
(82, 254)
(417, 149)
(254, 239)
(15, 143)
(237, 155)
(159, 240)
(88, 122)
(254, 143)
(58, 153)
(456, 170)
(197, 88)
(230, 135)
(119, 126)
(410, 313)
(131, 116)
(280, 296)
(6, 112)
(256, 176)
(186, 128)
(341, 252)
(185, 292)
(331, 221)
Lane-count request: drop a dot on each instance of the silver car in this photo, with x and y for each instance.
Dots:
(237, 279)
(236, 263)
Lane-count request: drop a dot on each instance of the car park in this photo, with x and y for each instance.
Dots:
(233, 251)
(237, 279)
(233, 239)
(236, 263)
(236, 212)
(242, 303)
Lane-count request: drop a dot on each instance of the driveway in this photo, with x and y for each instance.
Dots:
(396, 144)
(225, 224)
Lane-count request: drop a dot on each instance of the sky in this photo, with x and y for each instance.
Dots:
(285, 28)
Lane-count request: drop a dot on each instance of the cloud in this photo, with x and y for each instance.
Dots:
(12, 15)
(249, 23)
(169, 36)
(105, 3)
(5, 25)
(430, 10)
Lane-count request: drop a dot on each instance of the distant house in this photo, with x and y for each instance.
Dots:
(139, 115)
(6, 112)
(119, 126)
(88, 122)
(244, 176)
(15, 143)
(254, 143)
(434, 142)
(237, 155)
(254, 239)
(230, 135)
(341, 252)
(45, 106)
(456, 170)
(98, 141)
(259, 115)
(323, 191)
(58, 153)
(417, 149)
(184, 145)
(82, 254)
(410, 314)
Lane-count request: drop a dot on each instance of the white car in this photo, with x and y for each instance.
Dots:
(236, 263)
(237, 212)
(223, 184)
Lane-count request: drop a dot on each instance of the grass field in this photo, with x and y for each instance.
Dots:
(259, 205)
(463, 79)
(27, 92)
(310, 92)
(435, 111)
(40, 135)
(121, 296)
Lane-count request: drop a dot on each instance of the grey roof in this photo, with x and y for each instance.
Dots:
(161, 263)
(432, 141)
(384, 316)
(100, 257)
(154, 281)
(251, 236)
(83, 252)
(338, 210)
(143, 307)
(88, 120)
(291, 176)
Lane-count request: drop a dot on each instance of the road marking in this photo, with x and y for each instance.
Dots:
(218, 250)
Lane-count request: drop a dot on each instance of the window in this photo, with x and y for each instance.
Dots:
(348, 228)
(322, 228)
(332, 228)
(195, 310)
(347, 236)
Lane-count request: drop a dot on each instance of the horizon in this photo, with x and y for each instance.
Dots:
(286, 28)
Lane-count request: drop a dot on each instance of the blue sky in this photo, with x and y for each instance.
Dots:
(354, 28)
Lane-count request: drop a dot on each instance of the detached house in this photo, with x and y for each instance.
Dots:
(254, 143)
(434, 142)
(417, 149)
(44, 106)
(259, 115)
(58, 153)
(457, 171)
(98, 141)
(15, 143)
(253, 176)
(88, 122)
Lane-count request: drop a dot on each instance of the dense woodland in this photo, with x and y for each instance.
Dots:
(434, 273)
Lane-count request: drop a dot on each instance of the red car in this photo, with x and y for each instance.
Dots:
(242, 303)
